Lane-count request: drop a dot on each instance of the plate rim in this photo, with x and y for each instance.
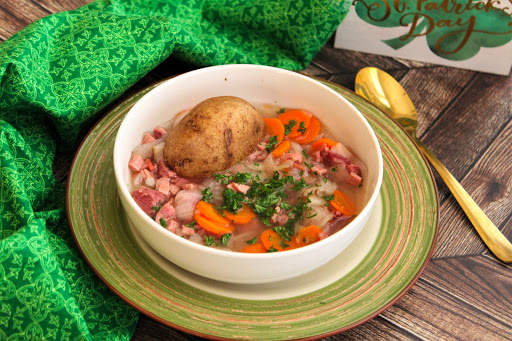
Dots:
(214, 337)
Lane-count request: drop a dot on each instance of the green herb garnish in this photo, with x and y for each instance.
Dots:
(280, 111)
(163, 222)
(209, 240)
(252, 241)
(306, 156)
(288, 127)
(271, 144)
(225, 238)
(272, 249)
(302, 128)
(207, 194)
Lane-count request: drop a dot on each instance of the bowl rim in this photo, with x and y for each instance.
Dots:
(123, 191)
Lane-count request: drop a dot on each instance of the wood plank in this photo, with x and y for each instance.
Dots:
(375, 329)
(62, 5)
(151, 330)
(433, 90)
(431, 313)
(16, 15)
(481, 282)
(482, 108)
(490, 185)
(334, 61)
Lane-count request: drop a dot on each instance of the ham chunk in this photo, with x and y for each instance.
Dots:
(172, 226)
(148, 199)
(163, 185)
(137, 163)
(165, 214)
(164, 171)
(148, 139)
(158, 132)
(240, 188)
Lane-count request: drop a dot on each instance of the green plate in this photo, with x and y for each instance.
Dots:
(384, 261)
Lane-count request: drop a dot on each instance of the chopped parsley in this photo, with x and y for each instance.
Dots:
(334, 169)
(163, 222)
(302, 128)
(271, 144)
(233, 201)
(223, 179)
(156, 208)
(252, 241)
(299, 184)
(209, 240)
(283, 244)
(225, 238)
(242, 178)
(288, 127)
(328, 197)
(312, 216)
(308, 165)
(192, 224)
(306, 156)
(207, 194)
(272, 249)
(280, 111)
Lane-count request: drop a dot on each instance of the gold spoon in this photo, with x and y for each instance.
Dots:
(386, 93)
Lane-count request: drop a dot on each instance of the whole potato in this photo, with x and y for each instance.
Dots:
(213, 136)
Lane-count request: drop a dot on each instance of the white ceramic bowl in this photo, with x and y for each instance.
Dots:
(256, 84)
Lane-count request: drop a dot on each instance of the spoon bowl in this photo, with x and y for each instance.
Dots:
(383, 91)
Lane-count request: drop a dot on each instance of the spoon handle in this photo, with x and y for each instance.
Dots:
(492, 237)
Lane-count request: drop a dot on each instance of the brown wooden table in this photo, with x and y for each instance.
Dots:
(465, 293)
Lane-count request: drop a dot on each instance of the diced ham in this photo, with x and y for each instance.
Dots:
(187, 231)
(158, 132)
(297, 157)
(185, 204)
(319, 170)
(190, 186)
(137, 163)
(173, 189)
(167, 212)
(355, 179)
(240, 188)
(163, 185)
(147, 199)
(148, 138)
(258, 155)
(172, 225)
(164, 171)
(317, 156)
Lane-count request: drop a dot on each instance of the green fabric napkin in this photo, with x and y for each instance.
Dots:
(55, 76)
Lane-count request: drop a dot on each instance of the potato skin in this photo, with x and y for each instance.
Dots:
(213, 136)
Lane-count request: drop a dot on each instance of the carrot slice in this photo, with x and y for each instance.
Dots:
(243, 216)
(271, 239)
(209, 211)
(319, 143)
(298, 116)
(150, 164)
(275, 128)
(343, 203)
(211, 226)
(308, 235)
(281, 148)
(255, 248)
(311, 133)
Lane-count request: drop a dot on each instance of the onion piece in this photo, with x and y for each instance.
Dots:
(146, 150)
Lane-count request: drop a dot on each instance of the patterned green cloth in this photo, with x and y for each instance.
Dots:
(55, 76)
